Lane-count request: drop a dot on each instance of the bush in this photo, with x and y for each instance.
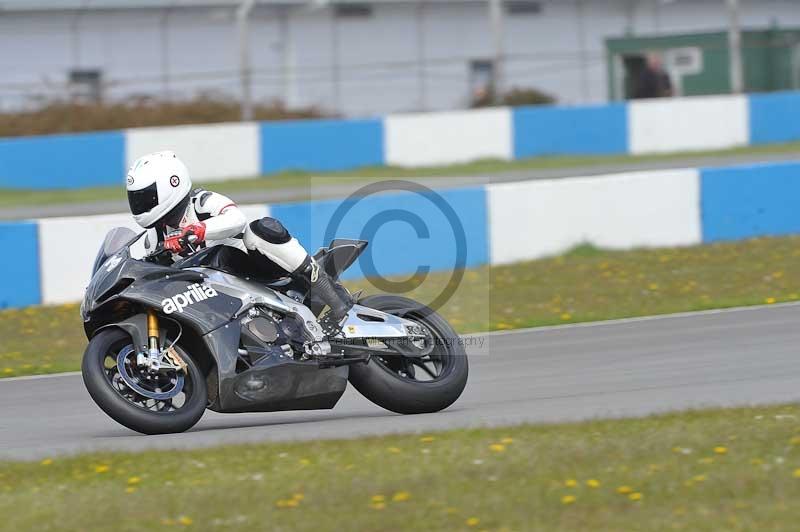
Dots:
(514, 98)
(68, 117)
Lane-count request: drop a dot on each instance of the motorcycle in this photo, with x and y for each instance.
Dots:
(224, 330)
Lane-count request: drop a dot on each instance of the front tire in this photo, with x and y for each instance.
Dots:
(127, 407)
(388, 380)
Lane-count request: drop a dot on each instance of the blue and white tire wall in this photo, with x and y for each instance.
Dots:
(48, 260)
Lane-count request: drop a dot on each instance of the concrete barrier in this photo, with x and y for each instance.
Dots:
(212, 152)
(19, 270)
(431, 139)
(750, 201)
(63, 161)
(535, 219)
(688, 124)
(543, 130)
(321, 145)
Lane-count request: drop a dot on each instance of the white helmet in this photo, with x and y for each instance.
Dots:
(158, 189)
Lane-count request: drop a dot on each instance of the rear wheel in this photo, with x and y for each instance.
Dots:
(164, 402)
(414, 385)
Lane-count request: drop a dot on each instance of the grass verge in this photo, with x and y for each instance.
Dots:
(586, 284)
(295, 179)
(704, 470)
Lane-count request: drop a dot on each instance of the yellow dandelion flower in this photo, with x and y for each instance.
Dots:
(593, 483)
(568, 499)
(394, 450)
(503, 326)
(378, 505)
(796, 473)
(472, 521)
(566, 316)
(8, 371)
(497, 447)
(130, 489)
(769, 300)
(624, 490)
(653, 286)
(635, 496)
(427, 439)
(46, 461)
(292, 503)
(795, 440)
(134, 480)
(101, 469)
(570, 483)
(305, 461)
(401, 496)
(699, 478)
(720, 449)
(378, 498)
(185, 520)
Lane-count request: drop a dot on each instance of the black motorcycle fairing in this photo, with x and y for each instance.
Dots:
(288, 384)
(235, 262)
(153, 286)
(340, 255)
(116, 240)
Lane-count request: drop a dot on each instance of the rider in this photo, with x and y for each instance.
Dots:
(162, 200)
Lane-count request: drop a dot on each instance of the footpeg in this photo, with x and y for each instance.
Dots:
(318, 349)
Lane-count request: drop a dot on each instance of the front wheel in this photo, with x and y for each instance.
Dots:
(414, 385)
(151, 403)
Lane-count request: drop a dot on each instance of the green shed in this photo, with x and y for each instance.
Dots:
(698, 63)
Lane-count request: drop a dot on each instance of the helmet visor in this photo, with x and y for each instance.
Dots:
(144, 200)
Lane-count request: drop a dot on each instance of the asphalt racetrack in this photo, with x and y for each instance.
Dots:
(625, 368)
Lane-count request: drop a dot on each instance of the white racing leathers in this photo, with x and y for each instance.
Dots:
(226, 225)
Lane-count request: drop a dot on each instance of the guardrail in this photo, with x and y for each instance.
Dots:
(48, 261)
(235, 150)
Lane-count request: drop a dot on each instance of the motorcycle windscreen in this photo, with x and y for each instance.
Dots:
(115, 240)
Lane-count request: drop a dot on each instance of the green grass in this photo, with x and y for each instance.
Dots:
(705, 470)
(296, 179)
(585, 284)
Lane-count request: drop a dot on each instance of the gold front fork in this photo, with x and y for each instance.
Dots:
(152, 332)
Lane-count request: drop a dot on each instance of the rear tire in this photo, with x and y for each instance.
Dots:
(98, 383)
(388, 389)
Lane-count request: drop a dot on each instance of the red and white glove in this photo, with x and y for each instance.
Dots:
(176, 240)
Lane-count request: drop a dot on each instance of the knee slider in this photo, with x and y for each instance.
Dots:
(270, 230)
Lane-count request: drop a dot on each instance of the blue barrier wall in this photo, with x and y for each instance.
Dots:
(63, 161)
(19, 270)
(406, 230)
(749, 201)
(774, 117)
(321, 145)
(601, 129)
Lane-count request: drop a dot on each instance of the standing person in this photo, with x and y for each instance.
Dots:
(653, 81)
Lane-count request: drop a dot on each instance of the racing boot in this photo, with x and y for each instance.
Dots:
(328, 292)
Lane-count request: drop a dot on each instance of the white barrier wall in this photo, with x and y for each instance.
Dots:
(535, 219)
(428, 139)
(68, 246)
(212, 152)
(688, 124)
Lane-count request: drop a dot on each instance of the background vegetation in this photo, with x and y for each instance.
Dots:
(71, 117)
